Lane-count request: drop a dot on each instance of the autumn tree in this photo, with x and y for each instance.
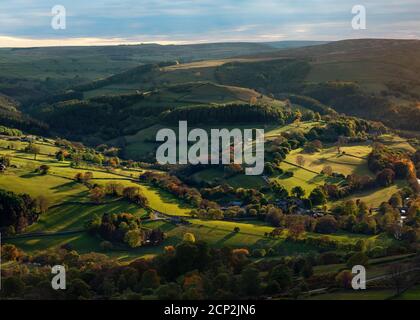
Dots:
(97, 194)
(42, 204)
(33, 148)
(298, 192)
(300, 160)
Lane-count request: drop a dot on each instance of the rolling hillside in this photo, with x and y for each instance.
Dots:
(116, 116)
(370, 78)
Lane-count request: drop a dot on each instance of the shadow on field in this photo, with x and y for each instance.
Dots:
(65, 187)
(225, 238)
(29, 175)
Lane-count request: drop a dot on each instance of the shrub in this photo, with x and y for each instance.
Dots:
(259, 253)
(359, 258)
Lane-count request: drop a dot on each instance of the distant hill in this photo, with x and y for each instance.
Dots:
(29, 74)
(371, 78)
(293, 44)
(100, 118)
(99, 61)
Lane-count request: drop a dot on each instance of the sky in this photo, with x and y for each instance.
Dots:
(26, 23)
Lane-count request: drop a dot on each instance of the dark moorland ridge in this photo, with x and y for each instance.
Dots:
(370, 78)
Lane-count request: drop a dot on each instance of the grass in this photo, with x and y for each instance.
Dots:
(44, 147)
(58, 186)
(56, 189)
(74, 216)
(375, 197)
(143, 142)
(353, 162)
(396, 143)
(306, 179)
(411, 294)
(215, 233)
(300, 126)
(237, 181)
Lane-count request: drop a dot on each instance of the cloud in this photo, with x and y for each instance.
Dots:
(180, 21)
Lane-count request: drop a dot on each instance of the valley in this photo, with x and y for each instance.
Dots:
(80, 183)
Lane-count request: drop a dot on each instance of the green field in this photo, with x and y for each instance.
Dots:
(354, 161)
(216, 175)
(375, 197)
(144, 141)
(58, 185)
(308, 180)
(216, 233)
(411, 294)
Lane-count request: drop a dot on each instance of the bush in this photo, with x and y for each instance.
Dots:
(359, 258)
(189, 237)
(326, 225)
(259, 253)
(377, 252)
(44, 169)
(330, 258)
(106, 245)
(271, 252)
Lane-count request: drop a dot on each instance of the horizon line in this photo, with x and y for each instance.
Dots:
(28, 43)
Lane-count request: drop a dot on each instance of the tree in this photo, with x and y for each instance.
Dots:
(298, 192)
(307, 270)
(33, 148)
(250, 281)
(9, 252)
(360, 246)
(326, 224)
(13, 287)
(115, 189)
(282, 275)
(150, 279)
(42, 203)
(106, 245)
(170, 291)
(398, 277)
(300, 160)
(344, 278)
(189, 237)
(97, 194)
(79, 177)
(385, 178)
(318, 197)
(396, 200)
(296, 230)
(78, 289)
(358, 259)
(44, 169)
(327, 170)
(130, 192)
(5, 160)
(133, 238)
(17, 211)
(87, 177)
